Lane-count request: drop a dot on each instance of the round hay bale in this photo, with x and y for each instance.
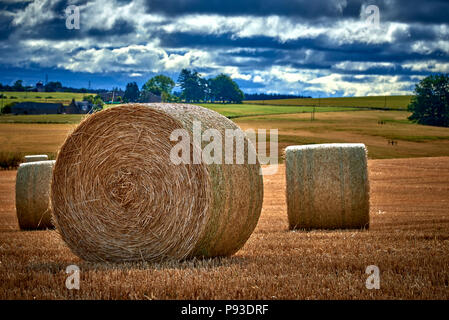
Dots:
(117, 196)
(327, 186)
(34, 158)
(33, 195)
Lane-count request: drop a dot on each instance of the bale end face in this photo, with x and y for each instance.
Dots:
(117, 195)
(327, 186)
(33, 195)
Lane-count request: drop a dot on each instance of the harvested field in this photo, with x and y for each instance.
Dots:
(412, 140)
(408, 240)
(378, 102)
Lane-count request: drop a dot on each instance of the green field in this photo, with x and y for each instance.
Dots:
(335, 123)
(375, 102)
(50, 97)
(42, 118)
(248, 110)
(229, 110)
(20, 135)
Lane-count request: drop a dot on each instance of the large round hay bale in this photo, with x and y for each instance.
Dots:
(117, 196)
(327, 186)
(35, 158)
(33, 195)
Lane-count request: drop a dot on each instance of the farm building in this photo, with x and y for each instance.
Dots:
(79, 107)
(37, 108)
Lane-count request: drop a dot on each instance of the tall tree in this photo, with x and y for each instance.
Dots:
(132, 92)
(18, 86)
(53, 86)
(430, 105)
(192, 85)
(224, 89)
(158, 85)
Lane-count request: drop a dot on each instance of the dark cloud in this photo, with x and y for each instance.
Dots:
(418, 41)
(120, 27)
(331, 51)
(13, 6)
(428, 12)
(5, 26)
(433, 11)
(53, 29)
(296, 8)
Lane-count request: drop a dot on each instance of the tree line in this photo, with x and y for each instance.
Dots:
(52, 86)
(272, 96)
(194, 88)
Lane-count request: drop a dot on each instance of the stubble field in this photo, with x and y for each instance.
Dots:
(408, 241)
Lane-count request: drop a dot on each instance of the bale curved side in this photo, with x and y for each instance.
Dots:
(117, 197)
(34, 158)
(327, 186)
(33, 195)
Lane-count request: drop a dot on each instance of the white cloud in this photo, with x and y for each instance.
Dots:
(361, 66)
(427, 66)
(141, 52)
(377, 85)
(234, 73)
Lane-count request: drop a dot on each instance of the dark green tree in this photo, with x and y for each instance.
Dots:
(192, 85)
(53, 86)
(430, 105)
(224, 89)
(89, 98)
(158, 85)
(132, 92)
(18, 86)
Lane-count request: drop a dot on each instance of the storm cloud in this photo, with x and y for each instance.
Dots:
(287, 46)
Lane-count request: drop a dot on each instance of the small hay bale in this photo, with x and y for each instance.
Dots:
(35, 158)
(327, 186)
(33, 195)
(117, 196)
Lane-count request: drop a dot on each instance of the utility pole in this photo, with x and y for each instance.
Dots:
(385, 102)
(312, 117)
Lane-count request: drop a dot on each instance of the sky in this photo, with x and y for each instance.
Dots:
(316, 48)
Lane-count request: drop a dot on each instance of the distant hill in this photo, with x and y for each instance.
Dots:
(274, 96)
(374, 102)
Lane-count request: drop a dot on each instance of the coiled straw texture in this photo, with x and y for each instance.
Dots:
(117, 196)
